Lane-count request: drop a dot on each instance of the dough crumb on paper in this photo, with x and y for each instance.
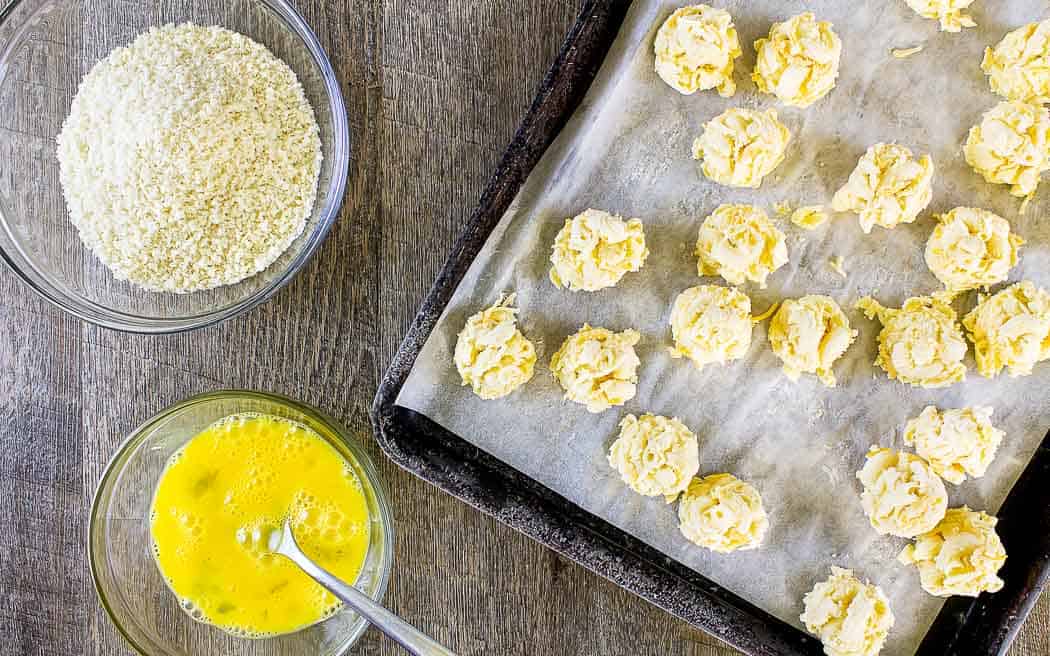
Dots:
(887, 188)
(904, 53)
(492, 355)
(956, 442)
(597, 367)
(971, 248)
(740, 147)
(902, 494)
(595, 250)
(1010, 329)
(711, 324)
(655, 456)
(1011, 145)
(961, 556)
(838, 265)
(809, 217)
(850, 618)
(921, 343)
(949, 12)
(740, 243)
(808, 335)
(722, 513)
(799, 61)
(695, 50)
(1018, 68)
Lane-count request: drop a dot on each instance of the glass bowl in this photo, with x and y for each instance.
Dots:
(46, 47)
(126, 577)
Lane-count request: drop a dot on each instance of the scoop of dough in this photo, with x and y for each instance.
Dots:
(597, 367)
(595, 250)
(949, 12)
(809, 217)
(711, 324)
(695, 49)
(961, 556)
(739, 147)
(740, 243)
(655, 456)
(888, 187)
(722, 513)
(1011, 329)
(808, 335)
(971, 248)
(1011, 145)
(850, 618)
(902, 494)
(955, 442)
(492, 355)
(799, 61)
(921, 343)
(1018, 68)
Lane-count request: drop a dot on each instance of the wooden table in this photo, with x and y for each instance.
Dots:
(435, 90)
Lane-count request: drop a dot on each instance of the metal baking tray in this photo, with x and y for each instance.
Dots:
(982, 626)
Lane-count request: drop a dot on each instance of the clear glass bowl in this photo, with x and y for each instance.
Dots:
(125, 573)
(46, 47)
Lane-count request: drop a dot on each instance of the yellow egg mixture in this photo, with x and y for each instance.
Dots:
(216, 504)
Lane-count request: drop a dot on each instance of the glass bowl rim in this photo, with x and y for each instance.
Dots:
(134, 439)
(335, 193)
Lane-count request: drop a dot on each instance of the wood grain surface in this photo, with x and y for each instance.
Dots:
(435, 89)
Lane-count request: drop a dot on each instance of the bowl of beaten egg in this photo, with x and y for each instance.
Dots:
(165, 165)
(183, 511)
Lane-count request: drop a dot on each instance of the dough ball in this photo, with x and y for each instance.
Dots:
(722, 513)
(955, 442)
(1018, 68)
(809, 217)
(739, 147)
(902, 495)
(740, 243)
(888, 187)
(850, 618)
(711, 324)
(799, 61)
(971, 248)
(1011, 145)
(492, 355)
(655, 456)
(597, 367)
(920, 343)
(949, 12)
(1011, 329)
(595, 250)
(961, 556)
(695, 49)
(808, 335)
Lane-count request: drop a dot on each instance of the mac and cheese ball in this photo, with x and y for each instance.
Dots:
(492, 355)
(799, 61)
(1010, 329)
(597, 367)
(971, 248)
(962, 555)
(655, 456)
(695, 50)
(957, 442)
(595, 250)
(722, 513)
(1011, 145)
(740, 147)
(740, 243)
(888, 187)
(808, 335)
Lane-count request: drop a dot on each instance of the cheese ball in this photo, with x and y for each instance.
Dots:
(902, 495)
(722, 513)
(809, 217)
(655, 456)
(492, 355)
(949, 12)
(595, 250)
(1018, 68)
(971, 248)
(850, 618)
(957, 442)
(888, 187)
(1010, 329)
(711, 324)
(740, 243)
(808, 335)
(597, 367)
(740, 147)
(921, 343)
(695, 50)
(799, 61)
(962, 555)
(1011, 145)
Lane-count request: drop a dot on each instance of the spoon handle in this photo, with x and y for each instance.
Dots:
(406, 635)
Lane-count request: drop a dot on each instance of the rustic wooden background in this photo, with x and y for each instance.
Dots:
(435, 89)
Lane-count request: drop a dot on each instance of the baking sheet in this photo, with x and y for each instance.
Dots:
(627, 150)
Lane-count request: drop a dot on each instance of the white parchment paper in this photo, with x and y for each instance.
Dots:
(627, 150)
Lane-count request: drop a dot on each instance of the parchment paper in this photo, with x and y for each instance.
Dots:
(627, 150)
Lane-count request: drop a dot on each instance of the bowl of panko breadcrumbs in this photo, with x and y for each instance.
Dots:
(165, 166)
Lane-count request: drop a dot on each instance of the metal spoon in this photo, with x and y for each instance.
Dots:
(283, 542)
